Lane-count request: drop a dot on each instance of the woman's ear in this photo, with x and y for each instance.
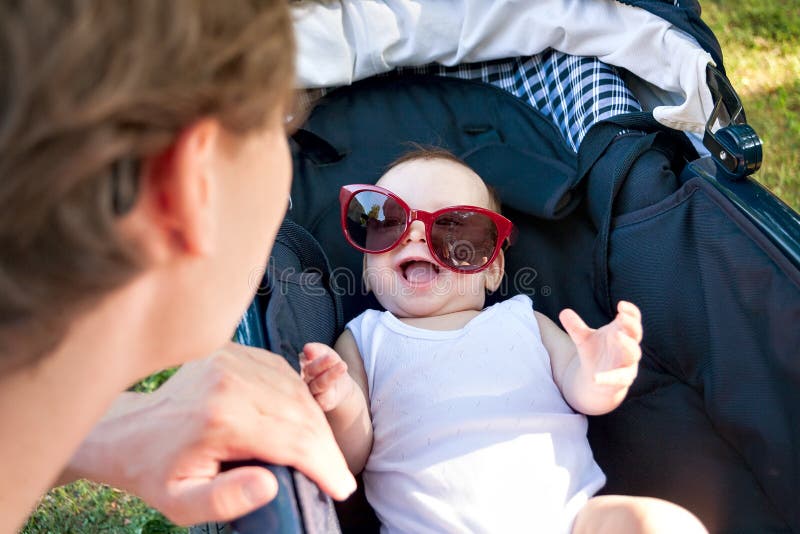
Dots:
(177, 187)
(494, 274)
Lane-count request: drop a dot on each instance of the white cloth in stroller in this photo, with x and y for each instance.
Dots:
(344, 41)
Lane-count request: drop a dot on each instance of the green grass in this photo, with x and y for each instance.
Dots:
(761, 44)
(761, 47)
(86, 507)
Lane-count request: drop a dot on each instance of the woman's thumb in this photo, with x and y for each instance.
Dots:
(227, 496)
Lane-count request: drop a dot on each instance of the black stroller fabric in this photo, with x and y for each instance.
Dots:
(719, 304)
(711, 422)
(714, 410)
(293, 306)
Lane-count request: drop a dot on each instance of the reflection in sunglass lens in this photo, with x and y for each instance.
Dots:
(464, 239)
(374, 220)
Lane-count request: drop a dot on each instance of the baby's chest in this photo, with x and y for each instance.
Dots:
(464, 378)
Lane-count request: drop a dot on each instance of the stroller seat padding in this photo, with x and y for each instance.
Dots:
(713, 414)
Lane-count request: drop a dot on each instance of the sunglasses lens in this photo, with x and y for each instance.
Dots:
(465, 240)
(374, 221)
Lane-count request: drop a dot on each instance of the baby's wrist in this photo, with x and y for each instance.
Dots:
(347, 386)
(348, 400)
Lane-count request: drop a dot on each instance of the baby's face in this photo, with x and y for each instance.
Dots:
(407, 281)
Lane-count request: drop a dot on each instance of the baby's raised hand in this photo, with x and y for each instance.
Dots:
(325, 373)
(611, 353)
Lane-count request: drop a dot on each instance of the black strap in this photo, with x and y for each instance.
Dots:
(281, 515)
(602, 134)
(312, 257)
(608, 190)
(603, 188)
(316, 148)
(300, 506)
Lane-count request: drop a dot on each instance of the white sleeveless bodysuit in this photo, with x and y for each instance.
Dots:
(471, 432)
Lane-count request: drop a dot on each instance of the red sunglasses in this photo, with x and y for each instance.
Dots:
(464, 239)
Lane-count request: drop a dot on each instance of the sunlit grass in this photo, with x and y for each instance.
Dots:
(86, 507)
(761, 47)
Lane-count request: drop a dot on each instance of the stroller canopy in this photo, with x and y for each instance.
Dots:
(342, 42)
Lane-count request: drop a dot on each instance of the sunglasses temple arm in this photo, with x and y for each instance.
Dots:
(512, 237)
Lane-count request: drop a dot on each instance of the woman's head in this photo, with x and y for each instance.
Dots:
(111, 113)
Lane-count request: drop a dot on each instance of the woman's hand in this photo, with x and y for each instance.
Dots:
(240, 403)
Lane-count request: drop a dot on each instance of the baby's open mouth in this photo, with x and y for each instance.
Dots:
(419, 271)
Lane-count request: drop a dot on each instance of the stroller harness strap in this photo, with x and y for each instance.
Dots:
(294, 304)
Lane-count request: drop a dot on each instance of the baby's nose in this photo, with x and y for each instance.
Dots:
(416, 232)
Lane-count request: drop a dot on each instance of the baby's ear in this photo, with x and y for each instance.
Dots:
(494, 274)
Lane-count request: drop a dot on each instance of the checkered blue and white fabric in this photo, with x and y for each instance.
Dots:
(575, 92)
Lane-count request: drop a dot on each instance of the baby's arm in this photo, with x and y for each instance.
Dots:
(594, 368)
(338, 382)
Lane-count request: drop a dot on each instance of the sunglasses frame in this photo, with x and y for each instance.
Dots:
(505, 228)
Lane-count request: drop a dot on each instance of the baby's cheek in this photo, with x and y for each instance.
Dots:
(390, 303)
(377, 271)
(382, 280)
(469, 285)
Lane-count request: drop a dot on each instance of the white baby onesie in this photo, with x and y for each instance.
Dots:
(471, 432)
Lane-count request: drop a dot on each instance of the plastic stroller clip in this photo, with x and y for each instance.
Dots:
(734, 145)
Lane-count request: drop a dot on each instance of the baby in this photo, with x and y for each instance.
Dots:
(463, 419)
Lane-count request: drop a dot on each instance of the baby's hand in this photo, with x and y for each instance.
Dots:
(325, 373)
(610, 354)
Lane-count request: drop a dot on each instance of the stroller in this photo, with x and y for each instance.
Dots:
(642, 212)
